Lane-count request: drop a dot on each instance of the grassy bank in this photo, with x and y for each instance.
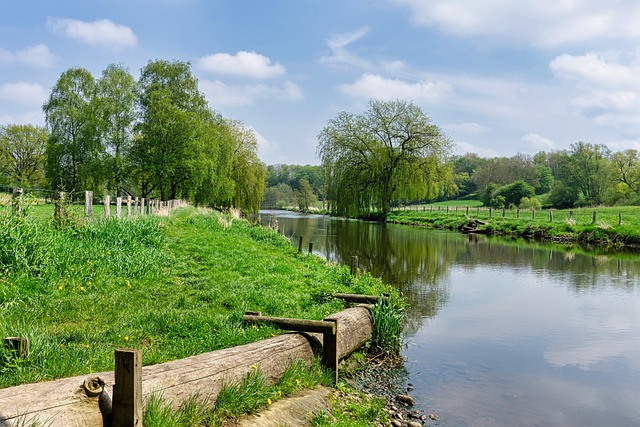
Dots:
(613, 226)
(171, 286)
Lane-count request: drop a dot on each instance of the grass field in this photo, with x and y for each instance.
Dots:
(613, 226)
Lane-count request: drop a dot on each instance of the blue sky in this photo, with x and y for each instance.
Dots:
(500, 77)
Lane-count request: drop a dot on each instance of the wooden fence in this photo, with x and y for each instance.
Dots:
(488, 212)
(134, 205)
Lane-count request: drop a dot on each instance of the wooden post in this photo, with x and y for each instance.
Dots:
(142, 211)
(119, 207)
(594, 218)
(533, 213)
(300, 244)
(570, 215)
(127, 390)
(18, 346)
(490, 212)
(478, 213)
(467, 210)
(59, 203)
(128, 206)
(447, 209)
(518, 213)
(16, 202)
(550, 215)
(354, 266)
(619, 218)
(330, 350)
(504, 212)
(88, 204)
(135, 206)
(107, 206)
(310, 247)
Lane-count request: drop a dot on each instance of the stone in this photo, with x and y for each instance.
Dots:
(406, 399)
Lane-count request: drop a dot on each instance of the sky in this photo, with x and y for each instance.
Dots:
(499, 77)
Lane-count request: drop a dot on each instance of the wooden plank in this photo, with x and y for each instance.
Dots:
(360, 299)
(298, 325)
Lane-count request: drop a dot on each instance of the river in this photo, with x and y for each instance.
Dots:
(501, 332)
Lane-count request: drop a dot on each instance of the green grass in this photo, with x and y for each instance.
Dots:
(171, 286)
(237, 399)
(570, 226)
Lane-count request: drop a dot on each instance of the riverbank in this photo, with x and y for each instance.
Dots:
(173, 287)
(605, 226)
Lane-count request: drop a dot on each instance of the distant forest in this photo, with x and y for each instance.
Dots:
(585, 174)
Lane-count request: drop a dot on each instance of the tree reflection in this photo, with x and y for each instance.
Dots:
(418, 261)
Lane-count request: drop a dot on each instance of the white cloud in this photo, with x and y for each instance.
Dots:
(29, 94)
(463, 147)
(38, 56)
(220, 94)
(466, 128)
(103, 32)
(34, 117)
(538, 143)
(542, 23)
(243, 64)
(340, 55)
(596, 69)
(375, 86)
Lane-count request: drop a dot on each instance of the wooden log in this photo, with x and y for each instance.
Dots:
(360, 299)
(64, 403)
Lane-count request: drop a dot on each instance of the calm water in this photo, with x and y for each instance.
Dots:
(502, 333)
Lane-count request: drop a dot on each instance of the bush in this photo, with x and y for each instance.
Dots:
(530, 203)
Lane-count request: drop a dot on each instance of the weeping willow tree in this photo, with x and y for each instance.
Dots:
(390, 152)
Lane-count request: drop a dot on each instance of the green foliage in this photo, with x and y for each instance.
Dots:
(391, 152)
(388, 316)
(514, 192)
(530, 203)
(562, 196)
(22, 155)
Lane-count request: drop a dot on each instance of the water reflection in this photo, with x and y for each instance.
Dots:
(503, 332)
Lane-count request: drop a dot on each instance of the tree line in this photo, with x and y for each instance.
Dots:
(151, 137)
(393, 154)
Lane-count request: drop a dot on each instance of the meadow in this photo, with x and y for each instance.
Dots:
(172, 286)
(617, 226)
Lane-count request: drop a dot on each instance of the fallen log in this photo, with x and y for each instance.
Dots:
(65, 403)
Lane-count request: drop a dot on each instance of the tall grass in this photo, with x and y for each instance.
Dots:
(388, 317)
(173, 287)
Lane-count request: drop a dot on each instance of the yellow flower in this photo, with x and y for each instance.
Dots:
(268, 401)
(254, 366)
(126, 338)
(254, 327)
(86, 345)
(82, 288)
(89, 283)
(128, 284)
(279, 393)
(60, 287)
(298, 382)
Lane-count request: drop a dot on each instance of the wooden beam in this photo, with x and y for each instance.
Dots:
(360, 299)
(127, 390)
(298, 325)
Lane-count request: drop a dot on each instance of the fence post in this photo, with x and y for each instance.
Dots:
(16, 202)
(142, 211)
(504, 212)
(119, 207)
(490, 212)
(135, 206)
(594, 218)
(518, 213)
(128, 205)
(570, 215)
(354, 266)
(533, 213)
(310, 247)
(107, 206)
(300, 244)
(59, 203)
(478, 213)
(619, 218)
(467, 210)
(18, 346)
(88, 204)
(127, 390)
(550, 215)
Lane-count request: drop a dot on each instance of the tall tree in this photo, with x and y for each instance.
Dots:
(116, 105)
(73, 148)
(248, 172)
(586, 168)
(627, 167)
(22, 149)
(391, 151)
(171, 107)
